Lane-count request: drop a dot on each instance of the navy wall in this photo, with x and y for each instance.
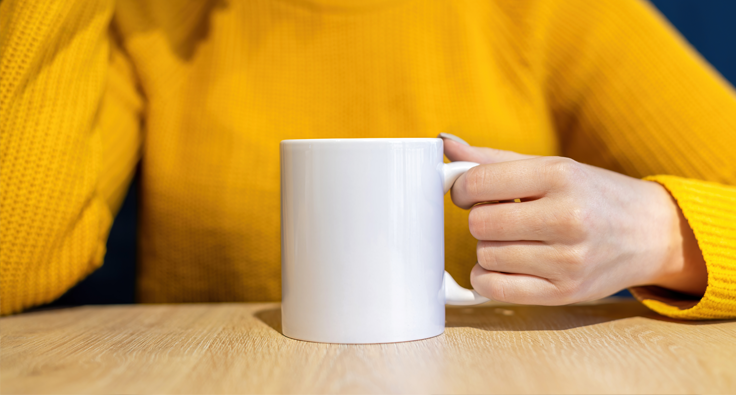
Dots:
(707, 24)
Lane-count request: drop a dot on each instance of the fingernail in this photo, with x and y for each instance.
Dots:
(452, 137)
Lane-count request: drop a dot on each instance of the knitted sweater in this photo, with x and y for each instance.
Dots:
(201, 92)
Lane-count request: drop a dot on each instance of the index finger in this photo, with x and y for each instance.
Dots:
(525, 178)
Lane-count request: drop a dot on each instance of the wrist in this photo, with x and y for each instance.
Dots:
(683, 269)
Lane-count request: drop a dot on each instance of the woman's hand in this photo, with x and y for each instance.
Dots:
(579, 233)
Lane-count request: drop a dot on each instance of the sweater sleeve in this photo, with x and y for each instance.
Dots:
(70, 142)
(709, 209)
(627, 93)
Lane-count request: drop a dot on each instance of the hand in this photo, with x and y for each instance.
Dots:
(579, 233)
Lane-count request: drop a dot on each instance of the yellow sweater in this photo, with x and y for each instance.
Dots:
(203, 91)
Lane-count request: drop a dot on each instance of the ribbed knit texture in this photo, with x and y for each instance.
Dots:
(204, 91)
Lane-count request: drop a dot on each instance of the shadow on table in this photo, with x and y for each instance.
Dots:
(270, 317)
(541, 318)
(529, 318)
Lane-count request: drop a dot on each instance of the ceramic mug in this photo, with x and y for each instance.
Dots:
(362, 240)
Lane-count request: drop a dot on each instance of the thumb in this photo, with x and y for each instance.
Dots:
(456, 149)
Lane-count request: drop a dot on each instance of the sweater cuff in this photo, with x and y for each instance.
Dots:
(710, 209)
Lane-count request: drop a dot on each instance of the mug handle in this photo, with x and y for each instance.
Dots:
(454, 293)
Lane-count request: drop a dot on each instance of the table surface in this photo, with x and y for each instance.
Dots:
(611, 346)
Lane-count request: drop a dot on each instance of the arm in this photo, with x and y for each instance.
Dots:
(633, 89)
(70, 142)
(625, 95)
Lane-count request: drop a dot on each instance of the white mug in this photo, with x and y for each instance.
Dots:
(362, 240)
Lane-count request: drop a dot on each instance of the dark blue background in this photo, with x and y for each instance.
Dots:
(707, 24)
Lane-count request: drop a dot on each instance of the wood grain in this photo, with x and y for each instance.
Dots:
(613, 346)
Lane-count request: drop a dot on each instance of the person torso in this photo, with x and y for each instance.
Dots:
(226, 81)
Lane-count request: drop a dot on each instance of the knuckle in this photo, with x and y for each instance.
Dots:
(572, 218)
(575, 257)
(480, 282)
(486, 257)
(474, 182)
(573, 266)
(490, 286)
(564, 171)
(499, 293)
(477, 223)
(573, 222)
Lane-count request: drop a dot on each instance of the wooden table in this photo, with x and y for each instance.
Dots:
(612, 346)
